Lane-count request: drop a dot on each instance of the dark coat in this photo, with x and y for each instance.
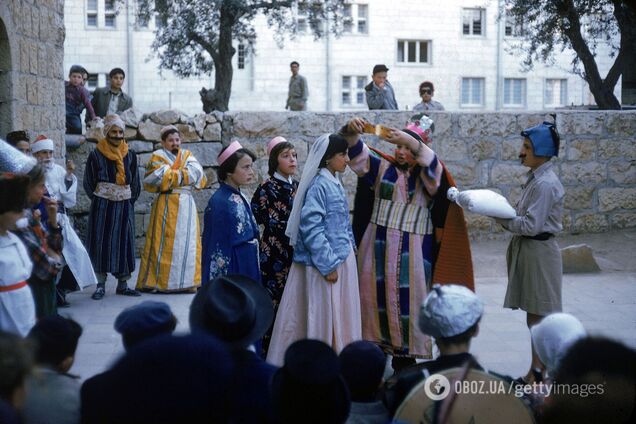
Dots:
(101, 100)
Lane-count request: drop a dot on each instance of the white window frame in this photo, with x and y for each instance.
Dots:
(516, 28)
(356, 19)
(509, 84)
(353, 91)
(563, 92)
(482, 94)
(101, 14)
(405, 47)
(482, 15)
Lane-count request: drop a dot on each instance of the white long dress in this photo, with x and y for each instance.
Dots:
(74, 252)
(17, 307)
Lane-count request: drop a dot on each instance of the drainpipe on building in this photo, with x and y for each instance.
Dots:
(129, 49)
(499, 87)
(328, 65)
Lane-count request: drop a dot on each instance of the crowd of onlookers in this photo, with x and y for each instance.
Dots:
(214, 374)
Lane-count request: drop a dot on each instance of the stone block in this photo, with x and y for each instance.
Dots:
(211, 176)
(617, 147)
(259, 124)
(314, 125)
(590, 223)
(591, 173)
(581, 149)
(478, 222)
(482, 124)
(508, 174)
(201, 199)
(95, 131)
(578, 259)
(149, 130)
(212, 118)
(443, 122)
(198, 121)
(625, 219)
(567, 221)
(527, 120)
(212, 132)
(140, 225)
(623, 172)
(579, 123)
(142, 159)
(144, 201)
(485, 148)
(130, 133)
(610, 199)
(206, 153)
(453, 149)
(140, 146)
(165, 117)
(188, 133)
(514, 195)
(464, 174)
(579, 197)
(32, 89)
(622, 123)
(371, 116)
(131, 117)
(33, 58)
(394, 119)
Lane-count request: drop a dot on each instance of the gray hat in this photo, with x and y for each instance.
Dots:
(449, 310)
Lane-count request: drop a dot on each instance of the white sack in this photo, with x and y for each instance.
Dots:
(482, 202)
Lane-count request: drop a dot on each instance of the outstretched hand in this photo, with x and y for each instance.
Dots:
(356, 125)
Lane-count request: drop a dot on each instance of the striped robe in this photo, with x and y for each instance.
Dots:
(395, 265)
(111, 225)
(171, 260)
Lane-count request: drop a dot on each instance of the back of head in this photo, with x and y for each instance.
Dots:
(144, 321)
(595, 382)
(13, 192)
(554, 335)
(450, 313)
(309, 387)
(15, 364)
(55, 339)
(168, 379)
(337, 144)
(16, 136)
(363, 366)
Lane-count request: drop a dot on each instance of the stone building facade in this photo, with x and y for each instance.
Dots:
(31, 68)
(460, 45)
(596, 163)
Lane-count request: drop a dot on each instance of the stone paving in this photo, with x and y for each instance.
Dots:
(605, 303)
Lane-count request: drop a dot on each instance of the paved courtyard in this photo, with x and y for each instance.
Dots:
(604, 302)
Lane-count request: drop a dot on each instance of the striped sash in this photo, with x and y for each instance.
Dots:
(401, 216)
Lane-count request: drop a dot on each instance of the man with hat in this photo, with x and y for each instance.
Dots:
(143, 321)
(450, 314)
(111, 180)
(379, 92)
(238, 311)
(61, 186)
(533, 257)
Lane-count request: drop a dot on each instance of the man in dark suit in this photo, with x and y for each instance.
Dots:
(238, 311)
(112, 100)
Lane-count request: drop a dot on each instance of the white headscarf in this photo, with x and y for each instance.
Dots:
(310, 170)
(553, 336)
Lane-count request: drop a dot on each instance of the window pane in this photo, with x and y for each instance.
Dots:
(360, 98)
(109, 21)
(564, 92)
(109, 5)
(362, 27)
(400, 51)
(346, 98)
(476, 91)
(465, 90)
(477, 22)
(347, 10)
(423, 51)
(91, 5)
(411, 45)
(549, 92)
(361, 82)
(466, 22)
(91, 20)
(362, 10)
(346, 82)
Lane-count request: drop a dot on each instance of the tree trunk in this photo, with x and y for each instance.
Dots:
(219, 97)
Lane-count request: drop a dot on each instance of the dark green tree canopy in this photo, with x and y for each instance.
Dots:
(580, 25)
(195, 37)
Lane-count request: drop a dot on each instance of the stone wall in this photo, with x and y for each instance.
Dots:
(31, 74)
(596, 163)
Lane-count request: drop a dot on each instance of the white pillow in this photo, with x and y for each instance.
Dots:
(482, 202)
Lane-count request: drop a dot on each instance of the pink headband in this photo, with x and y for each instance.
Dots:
(424, 134)
(273, 142)
(231, 149)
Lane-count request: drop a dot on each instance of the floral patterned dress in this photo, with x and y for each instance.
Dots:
(230, 236)
(271, 205)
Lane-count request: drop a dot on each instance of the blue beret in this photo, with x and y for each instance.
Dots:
(545, 139)
(145, 317)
